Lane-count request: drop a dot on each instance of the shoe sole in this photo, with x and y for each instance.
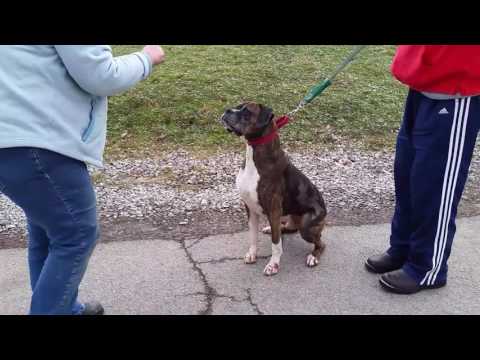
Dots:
(371, 268)
(393, 289)
(100, 311)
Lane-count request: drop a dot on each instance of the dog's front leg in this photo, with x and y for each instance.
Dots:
(275, 216)
(251, 255)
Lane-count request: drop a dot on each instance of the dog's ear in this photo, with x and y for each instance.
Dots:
(265, 116)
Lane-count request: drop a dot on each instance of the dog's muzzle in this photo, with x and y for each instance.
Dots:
(229, 127)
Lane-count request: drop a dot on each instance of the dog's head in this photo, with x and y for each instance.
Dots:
(248, 119)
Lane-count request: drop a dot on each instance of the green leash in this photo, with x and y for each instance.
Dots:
(318, 89)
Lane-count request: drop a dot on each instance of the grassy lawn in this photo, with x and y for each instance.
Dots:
(178, 106)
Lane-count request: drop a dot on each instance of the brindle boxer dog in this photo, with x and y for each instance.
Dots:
(272, 186)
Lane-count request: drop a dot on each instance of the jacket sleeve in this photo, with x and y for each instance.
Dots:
(96, 71)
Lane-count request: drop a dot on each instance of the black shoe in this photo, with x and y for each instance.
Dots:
(399, 282)
(383, 263)
(92, 308)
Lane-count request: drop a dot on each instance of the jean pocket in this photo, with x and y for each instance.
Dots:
(91, 123)
(88, 131)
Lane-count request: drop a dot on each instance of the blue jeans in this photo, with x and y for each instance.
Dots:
(58, 199)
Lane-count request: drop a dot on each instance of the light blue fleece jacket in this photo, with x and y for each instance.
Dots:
(54, 97)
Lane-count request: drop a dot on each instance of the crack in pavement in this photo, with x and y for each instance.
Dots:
(195, 243)
(197, 293)
(248, 299)
(252, 304)
(210, 292)
(226, 258)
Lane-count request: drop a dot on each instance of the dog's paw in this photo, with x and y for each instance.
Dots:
(267, 230)
(311, 260)
(272, 268)
(250, 257)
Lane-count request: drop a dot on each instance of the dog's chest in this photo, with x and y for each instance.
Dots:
(247, 183)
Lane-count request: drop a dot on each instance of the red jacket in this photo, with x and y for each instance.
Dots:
(446, 69)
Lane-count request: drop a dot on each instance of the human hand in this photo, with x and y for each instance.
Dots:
(156, 53)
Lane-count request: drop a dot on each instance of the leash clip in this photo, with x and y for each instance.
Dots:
(299, 107)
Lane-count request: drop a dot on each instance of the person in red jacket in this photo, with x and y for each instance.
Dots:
(433, 153)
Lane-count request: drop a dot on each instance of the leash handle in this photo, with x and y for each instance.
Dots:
(318, 89)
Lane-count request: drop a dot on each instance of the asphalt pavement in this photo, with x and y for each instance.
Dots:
(208, 276)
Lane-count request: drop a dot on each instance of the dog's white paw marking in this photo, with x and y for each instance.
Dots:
(267, 230)
(272, 268)
(311, 260)
(250, 257)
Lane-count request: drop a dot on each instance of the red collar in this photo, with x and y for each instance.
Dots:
(280, 122)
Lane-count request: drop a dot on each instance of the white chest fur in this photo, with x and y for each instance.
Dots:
(247, 183)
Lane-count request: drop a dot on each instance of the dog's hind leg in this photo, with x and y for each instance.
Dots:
(251, 255)
(311, 230)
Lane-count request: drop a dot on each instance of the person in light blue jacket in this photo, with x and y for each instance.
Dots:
(53, 120)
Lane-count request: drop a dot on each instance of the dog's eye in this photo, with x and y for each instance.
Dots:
(245, 110)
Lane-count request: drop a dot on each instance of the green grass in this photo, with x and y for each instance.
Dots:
(178, 106)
